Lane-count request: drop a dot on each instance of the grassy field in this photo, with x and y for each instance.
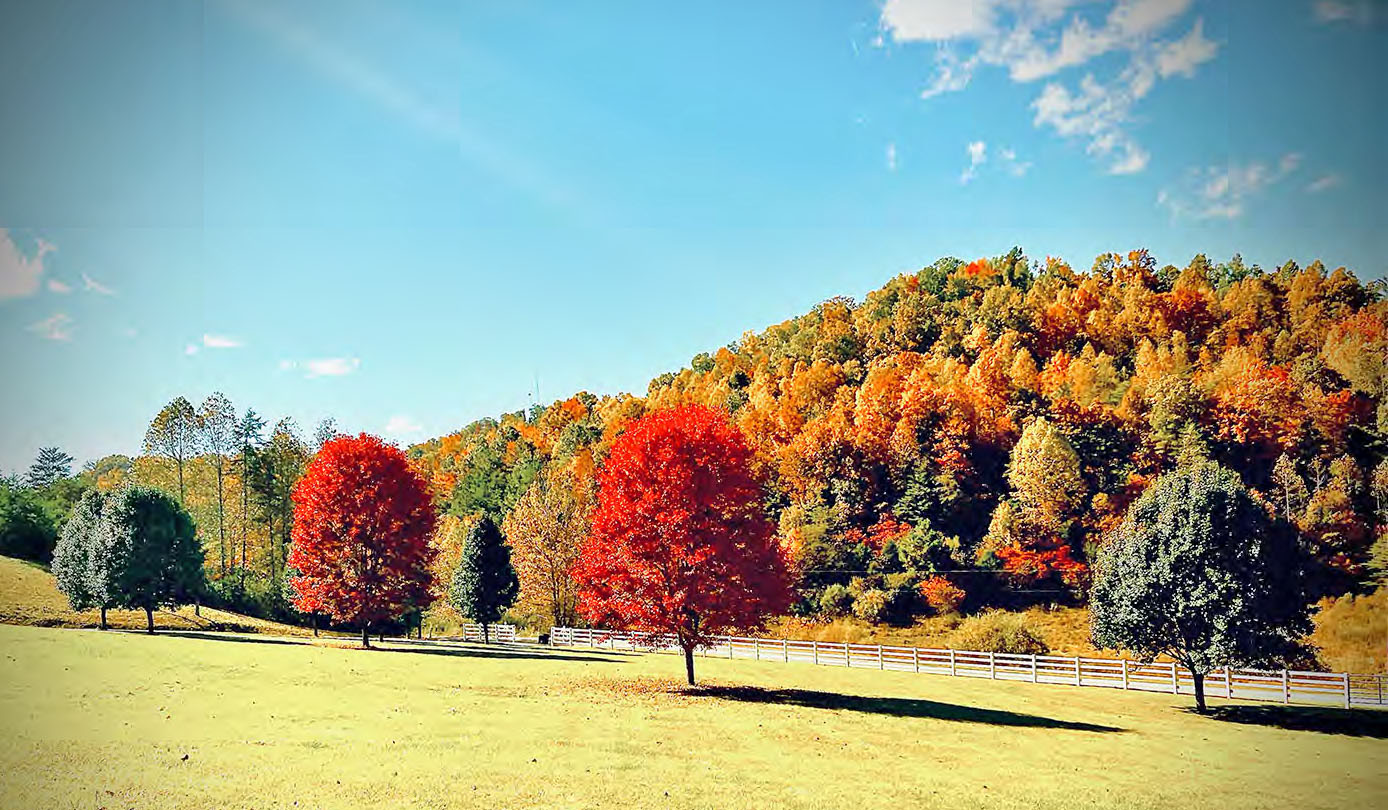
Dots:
(202, 720)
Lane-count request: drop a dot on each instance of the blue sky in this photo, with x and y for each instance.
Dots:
(404, 215)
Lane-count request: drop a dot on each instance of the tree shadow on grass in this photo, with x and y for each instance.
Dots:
(895, 707)
(1325, 720)
(240, 638)
(507, 654)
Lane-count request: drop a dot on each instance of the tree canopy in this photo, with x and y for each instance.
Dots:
(1200, 571)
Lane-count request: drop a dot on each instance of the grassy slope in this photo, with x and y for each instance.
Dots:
(1351, 633)
(29, 596)
(119, 720)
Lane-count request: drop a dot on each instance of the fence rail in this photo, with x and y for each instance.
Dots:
(1281, 686)
(496, 632)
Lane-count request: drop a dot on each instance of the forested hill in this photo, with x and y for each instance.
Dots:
(981, 425)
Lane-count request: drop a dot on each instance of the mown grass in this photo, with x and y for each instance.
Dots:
(127, 720)
(28, 595)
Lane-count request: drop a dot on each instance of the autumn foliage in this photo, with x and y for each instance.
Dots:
(361, 540)
(1001, 416)
(680, 543)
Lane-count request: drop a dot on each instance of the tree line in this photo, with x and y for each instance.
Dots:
(973, 434)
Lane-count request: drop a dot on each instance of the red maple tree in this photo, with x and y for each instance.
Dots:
(362, 521)
(680, 543)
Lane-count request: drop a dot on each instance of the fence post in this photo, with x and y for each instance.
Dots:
(1286, 688)
(1345, 677)
(1175, 684)
(1033, 667)
(814, 647)
(951, 660)
(916, 657)
(992, 666)
(1228, 683)
(730, 647)
(785, 650)
(1125, 674)
(881, 663)
(1077, 671)
(756, 648)
(847, 656)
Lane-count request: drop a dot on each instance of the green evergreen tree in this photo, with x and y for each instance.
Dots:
(484, 584)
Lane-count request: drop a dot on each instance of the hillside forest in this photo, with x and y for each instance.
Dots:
(964, 437)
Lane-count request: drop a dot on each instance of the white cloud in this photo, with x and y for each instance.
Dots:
(936, 20)
(220, 342)
(19, 274)
(1359, 12)
(331, 366)
(1014, 167)
(55, 327)
(1324, 183)
(93, 286)
(1182, 57)
(1037, 39)
(1222, 192)
(56, 286)
(288, 365)
(978, 154)
(401, 425)
(891, 157)
(190, 349)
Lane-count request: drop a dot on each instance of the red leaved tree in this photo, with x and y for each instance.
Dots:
(680, 543)
(362, 521)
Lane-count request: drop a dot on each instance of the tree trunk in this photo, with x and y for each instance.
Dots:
(103, 617)
(315, 625)
(149, 618)
(1199, 678)
(689, 664)
(486, 637)
(365, 634)
(197, 606)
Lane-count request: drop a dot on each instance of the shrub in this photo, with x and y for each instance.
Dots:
(1000, 632)
(872, 605)
(836, 601)
(942, 595)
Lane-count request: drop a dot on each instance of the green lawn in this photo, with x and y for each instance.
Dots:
(123, 720)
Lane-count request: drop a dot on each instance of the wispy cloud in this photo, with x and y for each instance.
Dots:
(1324, 183)
(58, 326)
(191, 349)
(56, 286)
(891, 157)
(1012, 164)
(978, 154)
(331, 366)
(402, 425)
(220, 342)
(1038, 39)
(1359, 12)
(19, 274)
(1222, 192)
(439, 118)
(91, 285)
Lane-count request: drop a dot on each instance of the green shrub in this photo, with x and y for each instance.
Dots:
(872, 606)
(836, 601)
(1000, 632)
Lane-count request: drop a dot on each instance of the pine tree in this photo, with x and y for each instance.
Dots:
(485, 584)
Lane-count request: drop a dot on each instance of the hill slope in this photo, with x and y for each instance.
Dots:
(29, 595)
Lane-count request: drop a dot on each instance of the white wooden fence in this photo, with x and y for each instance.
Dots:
(1281, 686)
(497, 632)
